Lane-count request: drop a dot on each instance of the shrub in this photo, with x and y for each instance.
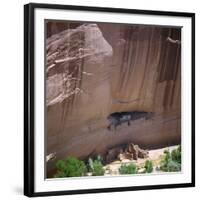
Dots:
(171, 161)
(128, 169)
(70, 167)
(148, 166)
(96, 166)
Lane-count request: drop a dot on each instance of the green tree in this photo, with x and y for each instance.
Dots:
(176, 155)
(70, 167)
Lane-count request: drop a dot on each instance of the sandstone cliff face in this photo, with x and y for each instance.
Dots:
(94, 70)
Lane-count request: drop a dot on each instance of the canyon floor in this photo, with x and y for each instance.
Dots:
(154, 155)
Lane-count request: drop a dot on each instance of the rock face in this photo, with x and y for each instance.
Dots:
(94, 70)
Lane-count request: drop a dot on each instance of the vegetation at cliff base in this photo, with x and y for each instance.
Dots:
(148, 166)
(171, 161)
(128, 169)
(95, 166)
(70, 167)
(176, 154)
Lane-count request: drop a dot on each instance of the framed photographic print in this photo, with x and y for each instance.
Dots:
(108, 99)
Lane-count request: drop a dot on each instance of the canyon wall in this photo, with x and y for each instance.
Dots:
(93, 70)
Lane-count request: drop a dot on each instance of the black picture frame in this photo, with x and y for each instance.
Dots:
(29, 95)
